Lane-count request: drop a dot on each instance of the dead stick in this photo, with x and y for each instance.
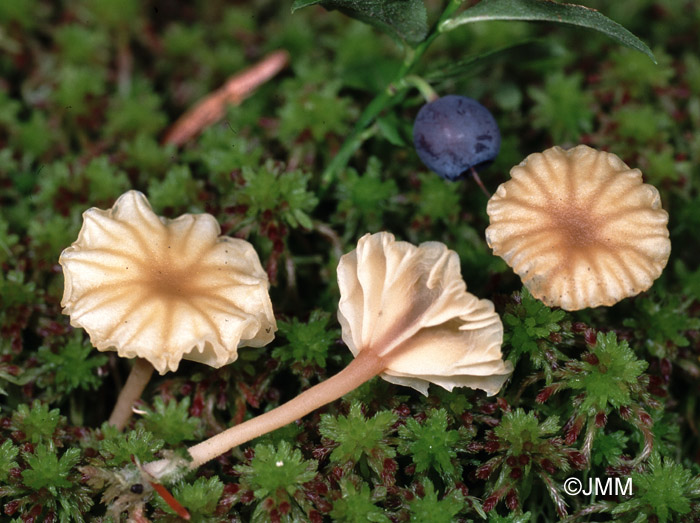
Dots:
(236, 89)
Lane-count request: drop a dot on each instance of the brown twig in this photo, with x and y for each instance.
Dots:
(212, 108)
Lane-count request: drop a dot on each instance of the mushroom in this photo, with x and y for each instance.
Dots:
(579, 227)
(406, 315)
(161, 290)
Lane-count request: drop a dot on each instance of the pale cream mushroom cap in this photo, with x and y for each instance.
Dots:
(579, 227)
(165, 289)
(411, 305)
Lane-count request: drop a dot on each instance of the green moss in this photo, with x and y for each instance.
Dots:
(310, 161)
(74, 364)
(171, 421)
(277, 472)
(364, 199)
(357, 436)
(117, 449)
(8, 453)
(178, 190)
(642, 124)
(430, 509)
(200, 498)
(271, 189)
(529, 326)
(609, 378)
(356, 505)
(430, 444)
(37, 423)
(47, 470)
(562, 107)
(317, 109)
(608, 448)
(136, 112)
(665, 489)
(438, 199)
(309, 343)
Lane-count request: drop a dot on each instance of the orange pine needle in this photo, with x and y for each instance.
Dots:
(170, 500)
(213, 107)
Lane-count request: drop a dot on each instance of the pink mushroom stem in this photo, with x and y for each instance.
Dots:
(135, 384)
(364, 367)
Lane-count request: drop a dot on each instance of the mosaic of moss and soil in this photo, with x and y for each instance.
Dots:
(88, 90)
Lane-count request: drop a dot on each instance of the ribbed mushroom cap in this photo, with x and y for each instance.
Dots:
(165, 289)
(411, 305)
(579, 227)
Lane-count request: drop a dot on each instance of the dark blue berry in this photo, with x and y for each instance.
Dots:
(453, 134)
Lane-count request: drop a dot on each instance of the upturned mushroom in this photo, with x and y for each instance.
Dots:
(160, 290)
(406, 316)
(579, 227)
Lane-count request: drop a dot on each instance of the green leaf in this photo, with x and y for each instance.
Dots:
(389, 127)
(298, 4)
(402, 19)
(473, 65)
(546, 11)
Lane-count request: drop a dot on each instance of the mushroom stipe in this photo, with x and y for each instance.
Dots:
(406, 316)
(162, 290)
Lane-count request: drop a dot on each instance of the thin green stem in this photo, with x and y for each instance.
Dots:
(425, 89)
(386, 97)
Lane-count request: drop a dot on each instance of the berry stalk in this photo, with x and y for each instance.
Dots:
(385, 98)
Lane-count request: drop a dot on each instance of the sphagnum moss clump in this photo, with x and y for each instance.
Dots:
(306, 165)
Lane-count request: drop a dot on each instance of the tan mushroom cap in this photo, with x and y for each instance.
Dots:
(411, 305)
(165, 289)
(579, 227)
